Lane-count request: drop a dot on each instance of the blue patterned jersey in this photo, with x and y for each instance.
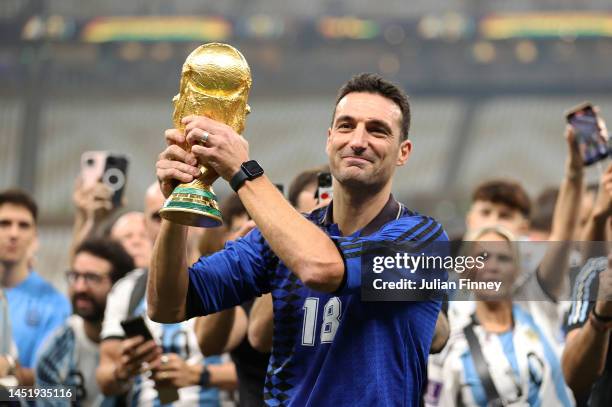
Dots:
(329, 349)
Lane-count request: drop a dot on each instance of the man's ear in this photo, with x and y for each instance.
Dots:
(328, 140)
(404, 152)
(468, 218)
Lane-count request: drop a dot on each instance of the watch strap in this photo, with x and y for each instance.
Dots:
(205, 377)
(238, 179)
(249, 170)
(597, 324)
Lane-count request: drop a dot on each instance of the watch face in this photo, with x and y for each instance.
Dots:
(252, 168)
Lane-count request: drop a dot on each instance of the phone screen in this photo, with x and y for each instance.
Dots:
(115, 176)
(106, 167)
(324, 186)
(591, 141)
(136, 327)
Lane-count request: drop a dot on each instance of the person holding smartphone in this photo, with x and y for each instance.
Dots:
(70, 356)
(168, 368)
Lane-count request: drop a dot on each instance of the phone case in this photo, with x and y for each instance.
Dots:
(115, 176)
(135, 327)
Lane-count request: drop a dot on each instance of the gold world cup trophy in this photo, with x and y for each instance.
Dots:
(215, 82)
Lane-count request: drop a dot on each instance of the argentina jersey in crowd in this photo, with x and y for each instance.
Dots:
(179, 339)
(329, 349)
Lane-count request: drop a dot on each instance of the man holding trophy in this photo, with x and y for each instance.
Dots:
(329, 347)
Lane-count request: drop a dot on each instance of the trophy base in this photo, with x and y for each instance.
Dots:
(189, 217)
(191, 206)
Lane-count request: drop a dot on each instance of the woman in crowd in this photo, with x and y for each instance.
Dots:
(499, 356)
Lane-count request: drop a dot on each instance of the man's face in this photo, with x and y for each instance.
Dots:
(89, 283)
(130, 231)
(17, 233)
(500, 265)
(363, 144)
(486, 213)
(306, 200)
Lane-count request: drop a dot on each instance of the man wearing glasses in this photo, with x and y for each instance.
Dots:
(70, 356)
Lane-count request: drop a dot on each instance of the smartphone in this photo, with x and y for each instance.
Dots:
(107, 167)
(590, 137)
(136, 327)
(324, 186)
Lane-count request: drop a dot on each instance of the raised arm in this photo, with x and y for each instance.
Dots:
(595, 228)
(586, 348)
(554, 267)
(93, 206)
(168, 280)
(304, 248)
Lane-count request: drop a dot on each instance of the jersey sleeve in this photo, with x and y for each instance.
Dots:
(53, 356)
(230, 276)
(443, 379)
(585, 292)
(56, 318)
(420, 231)
(117, 304)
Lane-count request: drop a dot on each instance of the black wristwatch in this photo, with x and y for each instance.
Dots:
(249, 170)
(205, 377)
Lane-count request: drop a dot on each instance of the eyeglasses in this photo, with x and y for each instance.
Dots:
(90, 278)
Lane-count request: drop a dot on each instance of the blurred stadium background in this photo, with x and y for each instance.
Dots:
(489, 81)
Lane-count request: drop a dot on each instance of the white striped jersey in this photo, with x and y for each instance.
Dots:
(548, 314)
(174, 338)
(69, 358)
(584, 295)
(522, 364)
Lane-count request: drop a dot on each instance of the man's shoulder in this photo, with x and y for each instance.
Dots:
(591, 269)
(44, 290)
(62, 338)
(411, 226)
(317, 215)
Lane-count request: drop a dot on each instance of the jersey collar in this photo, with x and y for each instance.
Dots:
(391, 211)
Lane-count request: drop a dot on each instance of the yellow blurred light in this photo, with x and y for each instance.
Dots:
(389, 64)
(526, 51)
(484, 52)
(430, 27)
(131, 51)
(162, 51)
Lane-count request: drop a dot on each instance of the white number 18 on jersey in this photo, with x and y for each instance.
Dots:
(331, 320)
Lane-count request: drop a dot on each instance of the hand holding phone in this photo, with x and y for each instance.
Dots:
(137, 355)
(137, 326)
(590, 132)
(108, 168)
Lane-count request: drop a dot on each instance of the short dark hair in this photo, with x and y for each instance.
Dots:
(544, 209)
(302, 180)
(111, 251)
(19, 197)
(374, 83)
(231, 207)
(506, 192)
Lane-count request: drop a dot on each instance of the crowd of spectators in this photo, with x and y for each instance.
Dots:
(526, 346)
